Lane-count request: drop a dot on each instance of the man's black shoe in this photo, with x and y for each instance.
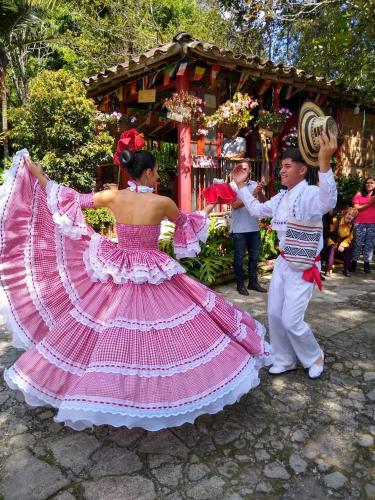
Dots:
(242, 290)
(257, 287)
(353, 266)
(366, 267)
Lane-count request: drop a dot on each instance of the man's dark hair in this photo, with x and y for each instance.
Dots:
(294, 154)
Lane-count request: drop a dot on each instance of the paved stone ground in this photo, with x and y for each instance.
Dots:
(291, 438)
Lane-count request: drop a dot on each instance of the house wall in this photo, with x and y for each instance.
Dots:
(358, 151)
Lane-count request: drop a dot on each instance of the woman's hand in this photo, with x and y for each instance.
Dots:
(37, 170)
(341, 248)
(209, 207)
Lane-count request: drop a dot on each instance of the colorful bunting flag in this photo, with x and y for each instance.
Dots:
(168, 73)
(215, 68)
(265, 86)
(243, 79)
(198, 73)
(290, 92)
(133, 87)
(153, 79)
(182, 67)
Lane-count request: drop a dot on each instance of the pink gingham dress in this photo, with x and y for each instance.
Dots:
(115, 334)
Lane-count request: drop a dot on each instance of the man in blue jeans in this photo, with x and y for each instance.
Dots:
(246, 236)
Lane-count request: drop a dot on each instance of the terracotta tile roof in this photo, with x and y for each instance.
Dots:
(184, 44)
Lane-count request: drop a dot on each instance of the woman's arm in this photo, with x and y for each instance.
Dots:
(365, 205)
(37, 171)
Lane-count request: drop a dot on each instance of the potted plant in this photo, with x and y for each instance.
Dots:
(270, 123)
(184, 107)
(233, 114)
(290, 140)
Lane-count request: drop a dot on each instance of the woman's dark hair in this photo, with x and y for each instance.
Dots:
(364, 191)
(136, 163)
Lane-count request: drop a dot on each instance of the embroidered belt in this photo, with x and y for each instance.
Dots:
(312, 274)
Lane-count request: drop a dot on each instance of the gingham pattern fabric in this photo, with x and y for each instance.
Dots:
(146, 355)
(190, 230)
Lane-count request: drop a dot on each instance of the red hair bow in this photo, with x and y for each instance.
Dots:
(130, 139)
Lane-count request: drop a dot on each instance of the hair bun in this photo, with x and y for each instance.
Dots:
(127, 158)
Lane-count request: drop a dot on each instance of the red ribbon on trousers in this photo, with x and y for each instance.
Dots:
(312, 273)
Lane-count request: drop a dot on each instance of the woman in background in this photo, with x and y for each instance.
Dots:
(364, 237)
(340, 239)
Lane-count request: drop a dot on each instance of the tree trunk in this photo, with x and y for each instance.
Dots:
(4, 112)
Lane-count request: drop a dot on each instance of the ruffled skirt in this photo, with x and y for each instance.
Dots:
(151, 355)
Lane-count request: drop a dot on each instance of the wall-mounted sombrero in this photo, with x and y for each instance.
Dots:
(310, 123)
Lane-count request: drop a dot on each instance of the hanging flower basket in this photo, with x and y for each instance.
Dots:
(180, 116)
(273, 121)
(266, 132)
(232, 115)
(183, 107)
(229, 129)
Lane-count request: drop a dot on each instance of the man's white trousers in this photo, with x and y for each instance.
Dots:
(288, 298)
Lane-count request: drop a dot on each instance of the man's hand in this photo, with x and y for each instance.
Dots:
(241, 174)
(328, 146)
(237, 204)
(258, 190)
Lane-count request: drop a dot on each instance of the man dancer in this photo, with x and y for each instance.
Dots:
(289, 292)
(246, 236)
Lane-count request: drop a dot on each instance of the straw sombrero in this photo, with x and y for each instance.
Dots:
(310, 123)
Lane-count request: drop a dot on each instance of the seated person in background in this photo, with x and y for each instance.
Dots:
(340, 239)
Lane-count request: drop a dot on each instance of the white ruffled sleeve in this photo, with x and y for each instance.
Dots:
(190, 229)
(66, 205)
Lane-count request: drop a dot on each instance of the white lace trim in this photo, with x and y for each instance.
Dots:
(80, 414)
(188, 250)
(100, 271)
(181, 366)
(20, 338)
(68, 227)
(144, 326)
(192, 248)
(84, 318)
(28, 253)
(146, 371)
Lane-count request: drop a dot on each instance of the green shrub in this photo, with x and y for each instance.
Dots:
(347, 187)
(57, 126)
(215, 257)
(99, 218)
(268, 241)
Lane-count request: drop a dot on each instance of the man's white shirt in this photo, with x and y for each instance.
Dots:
(304, 202)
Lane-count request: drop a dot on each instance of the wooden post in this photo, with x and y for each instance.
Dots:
(184, 153)
(275, 140)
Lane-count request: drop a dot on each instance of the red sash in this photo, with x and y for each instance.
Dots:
(312, 274)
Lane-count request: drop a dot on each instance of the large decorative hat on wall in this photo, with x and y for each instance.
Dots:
(310, 123)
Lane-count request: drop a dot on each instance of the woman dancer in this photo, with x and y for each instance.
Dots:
(116, 333)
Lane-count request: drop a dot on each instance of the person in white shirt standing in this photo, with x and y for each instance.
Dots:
(246, 236)
(290, 290)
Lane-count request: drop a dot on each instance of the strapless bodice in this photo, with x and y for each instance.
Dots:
(131, 236)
